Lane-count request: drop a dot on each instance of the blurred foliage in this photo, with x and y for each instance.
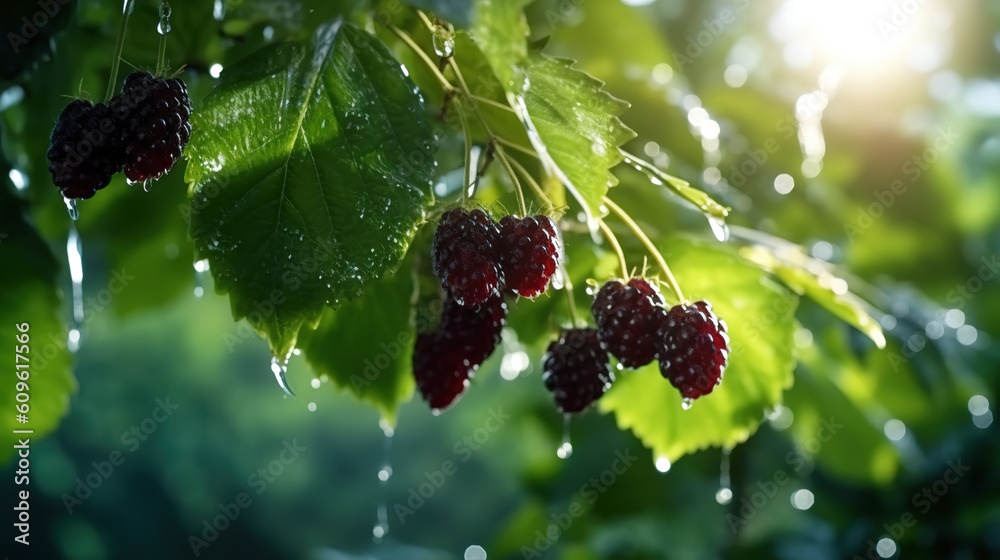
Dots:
(907, 200)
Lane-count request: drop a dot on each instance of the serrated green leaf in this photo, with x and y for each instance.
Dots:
(366, 344)
(28, 295)
(310, 171)
(760, 317)
(813, 278)
(573, 125)
(500, 30)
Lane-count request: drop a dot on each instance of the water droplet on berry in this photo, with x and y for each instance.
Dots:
(565, 450)
(687, 403)
(74, 214)
(280, 370)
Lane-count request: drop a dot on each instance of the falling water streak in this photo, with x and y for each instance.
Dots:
(725, 493)
(74, 256)
(381, 528)
(280, 370)
(565, 450)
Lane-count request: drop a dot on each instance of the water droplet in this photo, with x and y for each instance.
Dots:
(73, 340)
(381, 528)
(687, 403)
(565, 450)
(719, 228)
(74, 214)
(725, 494)
(662, 464)
(444, 43)
(474, 552)
(163, 27)
(311, 407)
(280, 369)
(200, 268)
(219, 10)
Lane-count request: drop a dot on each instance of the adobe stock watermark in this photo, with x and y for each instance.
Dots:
(707, 33)
(463, 450)
(913, 169)
(959, 297)
(899, 16)
(375, 366)
(131, 440)
(922, 502)
(799, 459)
(93, 306)
(32, 26)
(258, 481)
(588, 494)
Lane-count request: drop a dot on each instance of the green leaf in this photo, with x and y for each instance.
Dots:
(366, 344)
(500, 30)
(815, 278)
(310, 171)
(573, 125)
(28, 295)
(760, 317)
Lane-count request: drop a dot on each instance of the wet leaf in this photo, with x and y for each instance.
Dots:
(310, 170)
(366, 345)
(573, 125)
(500, 31)
(815, 279)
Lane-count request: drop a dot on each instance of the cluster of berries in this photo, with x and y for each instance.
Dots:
(480, 262)
(142, 131)
(634, 326)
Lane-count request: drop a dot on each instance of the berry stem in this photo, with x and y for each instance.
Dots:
(405, 37)
(505, 161)
(532, 183)
(570, 296)
(671, 281)
(468, 155)
(514, 146)
(119, 44)
(614, 243)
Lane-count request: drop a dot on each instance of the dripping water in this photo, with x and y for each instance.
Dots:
(444, 43)
(163, 27)
(280, 370)
(565, 450)
(719, 228)
(200, 268)
(74, 257)
(74, 214)
(381, 528)
(725, 493)
(687, 403)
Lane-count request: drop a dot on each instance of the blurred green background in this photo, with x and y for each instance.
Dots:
(864, 131)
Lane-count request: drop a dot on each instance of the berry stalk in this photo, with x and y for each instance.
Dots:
(671, 281)
(614, 243)
(119, 44)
